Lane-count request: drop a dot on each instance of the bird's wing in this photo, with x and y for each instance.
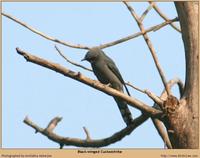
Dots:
(114, 69)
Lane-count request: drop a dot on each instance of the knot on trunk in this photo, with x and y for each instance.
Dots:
(170, 105)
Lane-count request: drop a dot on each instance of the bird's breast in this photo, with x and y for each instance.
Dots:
(100, 73)
(106, 76)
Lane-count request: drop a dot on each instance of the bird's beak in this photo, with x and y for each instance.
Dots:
(83, 59)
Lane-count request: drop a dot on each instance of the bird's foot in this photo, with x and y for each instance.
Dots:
(109, 84)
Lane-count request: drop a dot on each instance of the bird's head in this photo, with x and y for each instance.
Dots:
(92, 55)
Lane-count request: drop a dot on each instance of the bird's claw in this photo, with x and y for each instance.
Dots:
(109, 84)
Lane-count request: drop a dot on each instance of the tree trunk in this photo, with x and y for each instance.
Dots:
(183, 124)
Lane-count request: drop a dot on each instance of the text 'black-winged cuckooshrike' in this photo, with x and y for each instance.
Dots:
(107, 73)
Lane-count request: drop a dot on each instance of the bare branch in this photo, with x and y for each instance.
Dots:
(124, 39)
(88, 142)
(87, 133)
(154, 28)
(150, 46)
(155, 98)
(43, 35)
(180, 86)
(172, 83)
(162, 132)
(134, 87)
(53, 123)
(147, 92)
(106, 141)
(70, 61)
(164, 16)
(146, 11)
(92, 83)
(157, 123)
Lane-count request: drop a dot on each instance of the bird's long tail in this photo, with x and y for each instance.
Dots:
(124, 110)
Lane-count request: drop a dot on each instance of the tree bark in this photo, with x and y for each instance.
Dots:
(183, 124)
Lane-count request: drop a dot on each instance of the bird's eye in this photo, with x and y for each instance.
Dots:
(92, 58)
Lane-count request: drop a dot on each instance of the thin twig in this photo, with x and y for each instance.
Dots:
(146, 11)
(87, 133)
(150, 46)
(162, 132)
(155, 98)
(44, 35)
(180, 86)
(92, 83)
(53, 123)
(164, 16)
(134, 87)
(88, 142)
(70, 61)
(124, 39)
(109, 44)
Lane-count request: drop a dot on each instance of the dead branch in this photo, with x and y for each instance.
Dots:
(172, 83)
(88, 142)
(162, 132)
(52, 124)
(180, 86)
(150, 46)
(44, 35)
(164, 16)
(92, 83)
(159, 124)
(134, 87)
(146, 11)
(155, 98)
(87, 133)
(70, 61)
(154, 28)
(124, 39)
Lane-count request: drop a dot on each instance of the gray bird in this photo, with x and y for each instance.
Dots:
(107, 73)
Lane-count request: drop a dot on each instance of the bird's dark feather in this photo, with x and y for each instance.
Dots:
(114, 69)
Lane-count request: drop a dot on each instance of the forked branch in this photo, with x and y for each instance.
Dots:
(146, 11)
(164, 16)
(79, 46)
(124, 39)
(44, 35)
(150, 46)
(88, 142)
